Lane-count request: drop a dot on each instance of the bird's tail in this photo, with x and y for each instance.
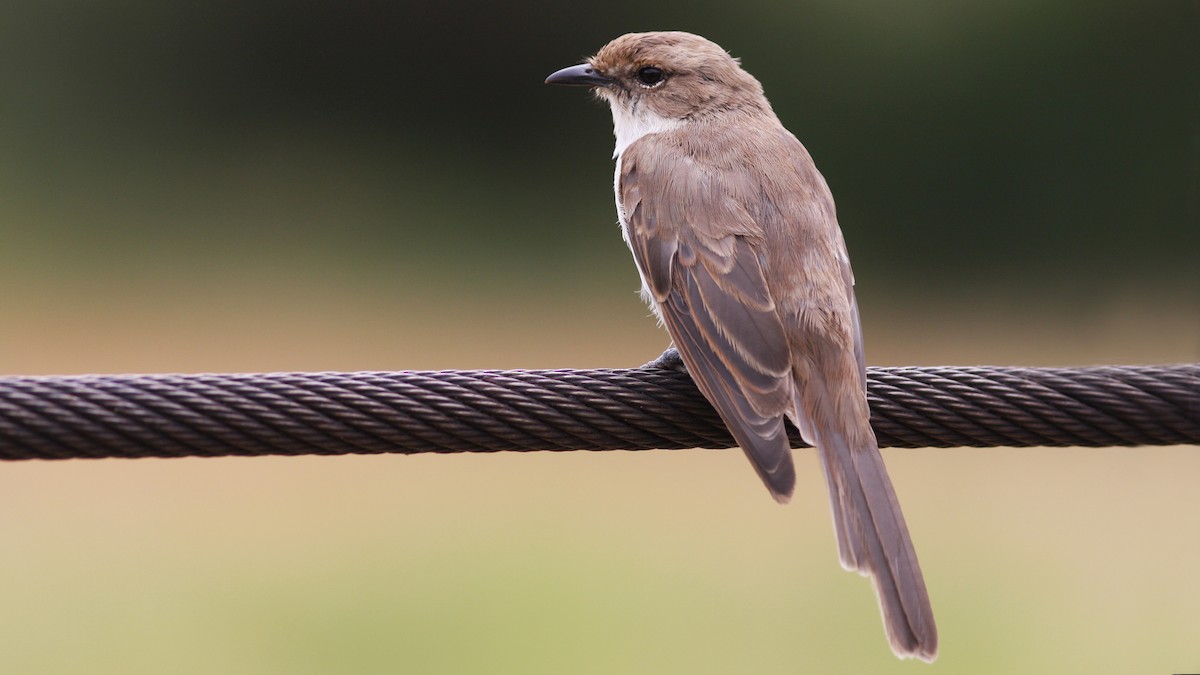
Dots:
(872, 537)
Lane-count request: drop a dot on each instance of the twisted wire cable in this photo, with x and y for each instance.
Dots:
(211, 415)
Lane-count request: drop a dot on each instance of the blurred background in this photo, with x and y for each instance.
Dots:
(258, 186)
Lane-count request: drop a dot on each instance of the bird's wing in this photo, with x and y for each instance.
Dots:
(701, 257)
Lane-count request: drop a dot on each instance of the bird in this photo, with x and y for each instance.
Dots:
(736, 241)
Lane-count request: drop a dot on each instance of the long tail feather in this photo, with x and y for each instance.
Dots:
(873, 538)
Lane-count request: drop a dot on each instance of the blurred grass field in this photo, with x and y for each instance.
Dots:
(1038, 560)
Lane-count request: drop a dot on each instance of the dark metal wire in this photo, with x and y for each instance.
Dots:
(520, 410)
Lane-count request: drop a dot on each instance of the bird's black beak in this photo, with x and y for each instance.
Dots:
(582, 75)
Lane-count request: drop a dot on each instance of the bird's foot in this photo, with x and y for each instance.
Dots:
(669, 360)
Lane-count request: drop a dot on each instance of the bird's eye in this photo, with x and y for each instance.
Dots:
(651, 76)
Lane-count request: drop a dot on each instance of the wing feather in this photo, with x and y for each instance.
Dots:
(711, 290)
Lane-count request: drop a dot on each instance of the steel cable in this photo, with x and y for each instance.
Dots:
(212, 415)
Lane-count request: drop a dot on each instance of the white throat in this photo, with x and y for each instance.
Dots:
(630, 124)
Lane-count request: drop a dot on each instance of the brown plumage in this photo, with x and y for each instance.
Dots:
(735, 237)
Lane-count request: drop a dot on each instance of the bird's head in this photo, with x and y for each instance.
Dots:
(663, 80)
